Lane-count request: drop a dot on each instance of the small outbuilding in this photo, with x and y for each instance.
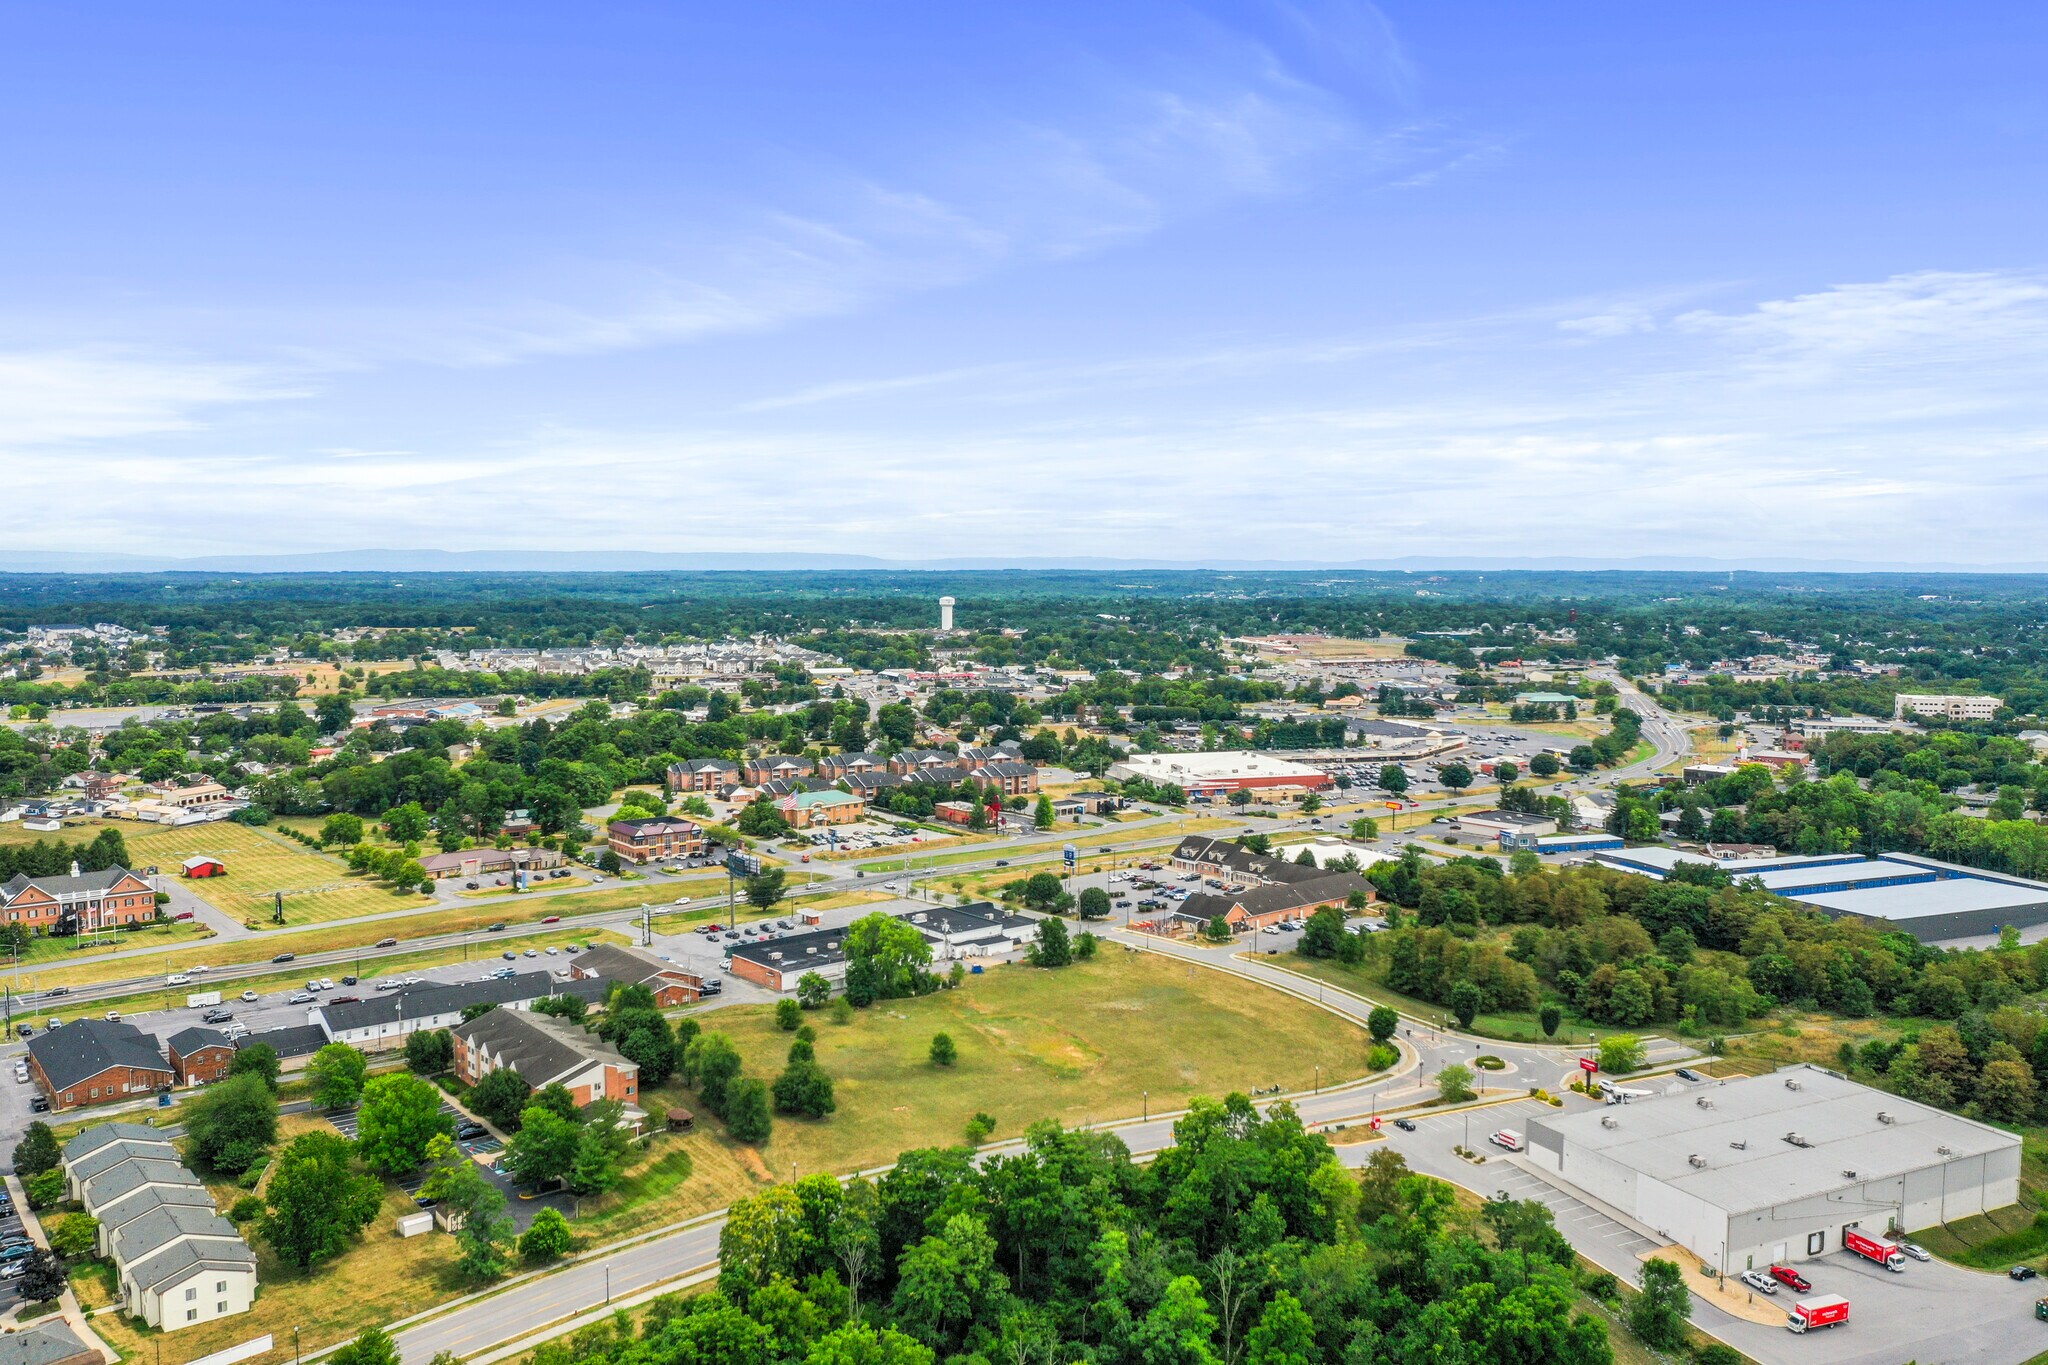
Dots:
(204, 865)
(681, 1120)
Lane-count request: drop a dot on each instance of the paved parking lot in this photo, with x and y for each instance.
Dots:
(1932, 1312)
(10, 1227)
(521, 1207)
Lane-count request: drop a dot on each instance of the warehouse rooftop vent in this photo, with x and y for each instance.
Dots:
(1791, 1084)
(1848, 1175)
(1883, 1117)
(1942, 1151)
(1607, 1122)
(1796, 1140)
(1696, 1160)
(1704, 1103)
(1740, 1146)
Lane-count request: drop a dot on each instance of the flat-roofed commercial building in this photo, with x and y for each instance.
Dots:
(1763, 1170)
(1932, 900)
(1945, 706)
(1220, 773)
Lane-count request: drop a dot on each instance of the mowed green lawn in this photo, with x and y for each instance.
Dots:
(317, 888)
(1077, 1044)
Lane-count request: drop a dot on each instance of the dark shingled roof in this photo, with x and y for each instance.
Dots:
(187, 1041)
(99, 1135)
(540, 1048)
(293, 1040)
(84, 1048)
(47, 1343)
(425, 1001)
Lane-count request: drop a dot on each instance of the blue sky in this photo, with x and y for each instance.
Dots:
(1288, 280)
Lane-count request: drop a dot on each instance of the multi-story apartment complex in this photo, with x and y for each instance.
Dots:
(1945, 706)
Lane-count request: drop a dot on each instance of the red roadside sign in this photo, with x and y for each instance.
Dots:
(1588, 1064)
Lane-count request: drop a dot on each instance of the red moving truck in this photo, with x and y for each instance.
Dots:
(1825, 1311)
(1886, 1254)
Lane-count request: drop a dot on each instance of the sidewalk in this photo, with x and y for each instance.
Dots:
(67, 1303)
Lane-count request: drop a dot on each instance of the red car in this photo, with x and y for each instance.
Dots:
(552, 919)
(1790, 1278)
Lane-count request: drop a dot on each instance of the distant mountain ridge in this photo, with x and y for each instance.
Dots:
(631, 561)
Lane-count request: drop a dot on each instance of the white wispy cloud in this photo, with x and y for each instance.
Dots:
(88, 394)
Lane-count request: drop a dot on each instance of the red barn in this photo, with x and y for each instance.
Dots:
(201, 865)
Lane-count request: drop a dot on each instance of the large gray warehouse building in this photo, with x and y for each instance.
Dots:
(1766, 1169)
(1931, 900)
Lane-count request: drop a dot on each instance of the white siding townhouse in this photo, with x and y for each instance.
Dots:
(179, 1263)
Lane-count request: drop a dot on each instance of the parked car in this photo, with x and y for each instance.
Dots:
(1759, 1281)
(113, 1016)
(1792, 1279)
(346, 1000)
(301, 998)
(249, 997)
(217, 1016)
(551, 950)
(348, 981)
(469, 886)
(469, 1132)
(2021, 1272)
(1686, 1073)
(18, 1252)
(38, 1104)
(533, 952)
(511, 956)
(1915, 1250)
(1405, 1125)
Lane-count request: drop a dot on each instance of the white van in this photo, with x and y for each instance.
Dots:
(1508, 1138)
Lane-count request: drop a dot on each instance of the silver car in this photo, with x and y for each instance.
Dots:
(1759, 1281)
(1915, 1250)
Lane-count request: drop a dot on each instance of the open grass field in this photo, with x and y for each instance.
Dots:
(1082, 1044)
(52, 959)
(1366, 980)
(317, 887)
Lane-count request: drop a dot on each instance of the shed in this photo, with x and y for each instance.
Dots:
(204, 865)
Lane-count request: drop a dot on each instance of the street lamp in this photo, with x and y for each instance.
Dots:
(1319, 1080)
(295, 1346)
(1145, 1098)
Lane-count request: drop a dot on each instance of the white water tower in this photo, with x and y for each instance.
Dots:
(945, 613)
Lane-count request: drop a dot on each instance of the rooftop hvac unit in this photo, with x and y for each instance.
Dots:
(777, 955)
(1793, 1085)
(1942, 1151)
(1704, 1103)
(1796, 1140)
(1696, 1160)
(1740, 1146)
(1606, 1121)
(812, 950)
(1883, 1117)
(1848, 1175)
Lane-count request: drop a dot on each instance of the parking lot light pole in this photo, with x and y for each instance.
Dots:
(295, 1346)
(1145, 1100)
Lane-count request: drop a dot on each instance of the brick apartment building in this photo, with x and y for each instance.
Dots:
(545, 1050)
(95, 1061)
(650, 837)
(707, 775)
(199, 1056)
(81, 902)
